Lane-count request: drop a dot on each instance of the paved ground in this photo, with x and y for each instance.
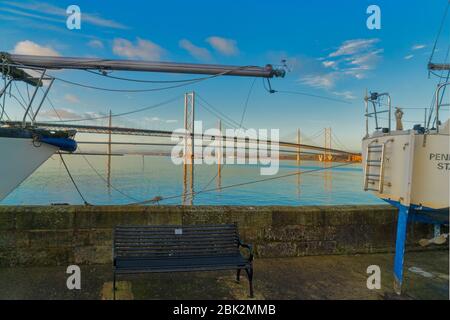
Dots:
(321, 277)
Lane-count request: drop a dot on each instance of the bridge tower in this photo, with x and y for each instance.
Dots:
(109, 152)
(219, 155)
(298, 147)
(327, 156)
(188, 153)
(298, 163)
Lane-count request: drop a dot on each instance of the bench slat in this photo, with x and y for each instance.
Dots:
(160, 247)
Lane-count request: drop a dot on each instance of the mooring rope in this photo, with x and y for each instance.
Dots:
(73, 181)
(239, 184)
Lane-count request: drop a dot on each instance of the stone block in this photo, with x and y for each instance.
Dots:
(7, 220)
(276, 249)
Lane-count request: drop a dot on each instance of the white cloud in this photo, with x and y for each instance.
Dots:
(143, 49)
(195, 51)
(367, 60)
(322, 81)
(329, 64)
(32, 48)
(69, 114)
(410, 56)
(346, 94)
(227, 47)
(65, 114)
(355, 46)
(418, 46)
(159, 120)
(49, 9)
(71, 98)
(96, 44)
(352, 59)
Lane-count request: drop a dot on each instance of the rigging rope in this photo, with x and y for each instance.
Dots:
(246, 102)
(106, 181)
(270, 90)
(73, 181)
(312, 95)
(193, 81)
(440, 31)
(90, 165)
(125, 90)
(108, 75)
(124, 113)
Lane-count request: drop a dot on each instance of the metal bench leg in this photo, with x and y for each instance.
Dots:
(238, 274)
(114, 286)
(249, 271)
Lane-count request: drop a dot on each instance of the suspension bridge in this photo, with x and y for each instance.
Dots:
(32, 71)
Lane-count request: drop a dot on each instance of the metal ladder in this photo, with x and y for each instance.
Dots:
(371, 177)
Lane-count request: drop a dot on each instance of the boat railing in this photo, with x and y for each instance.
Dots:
(375, 100)
(439, 103)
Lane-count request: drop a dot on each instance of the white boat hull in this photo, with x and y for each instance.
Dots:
(412, 172)
(19, 159)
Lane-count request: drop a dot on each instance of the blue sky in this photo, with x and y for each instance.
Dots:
(327, 45)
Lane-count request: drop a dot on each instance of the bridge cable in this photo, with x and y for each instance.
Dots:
(214, 113)
(240, 126)
(218, 111)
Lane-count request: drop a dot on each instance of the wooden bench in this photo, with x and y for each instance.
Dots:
(172, 248)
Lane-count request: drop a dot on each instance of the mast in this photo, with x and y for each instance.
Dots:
(47, 62)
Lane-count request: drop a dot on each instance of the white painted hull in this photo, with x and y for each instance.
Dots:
(19, 159)
(414, 172)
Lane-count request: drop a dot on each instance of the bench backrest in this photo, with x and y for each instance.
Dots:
(175, 241)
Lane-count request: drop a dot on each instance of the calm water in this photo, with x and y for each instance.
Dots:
(152, 176)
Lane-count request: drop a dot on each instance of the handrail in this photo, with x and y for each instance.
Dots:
(373, 98)
(438, 104)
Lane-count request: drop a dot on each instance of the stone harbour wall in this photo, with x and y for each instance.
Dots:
(62, 235)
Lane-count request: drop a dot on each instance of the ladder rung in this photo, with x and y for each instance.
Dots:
(375, 151)
(374, 180)
(372, 175)
(374, 147)
(370, 189)
(374, 165)
(379, 161)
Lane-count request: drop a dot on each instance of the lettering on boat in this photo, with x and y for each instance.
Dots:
(441, 157)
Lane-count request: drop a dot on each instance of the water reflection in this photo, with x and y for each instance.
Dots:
(156, 177)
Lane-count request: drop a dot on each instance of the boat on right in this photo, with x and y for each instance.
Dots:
(409, 168)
